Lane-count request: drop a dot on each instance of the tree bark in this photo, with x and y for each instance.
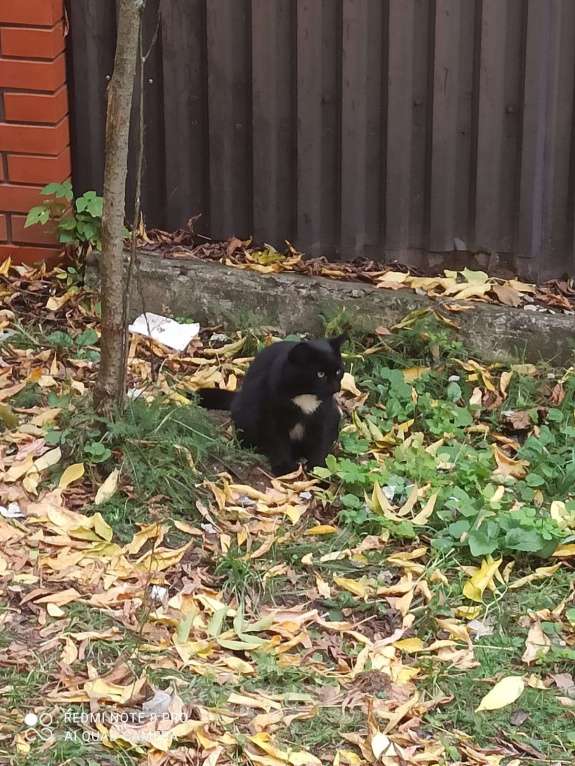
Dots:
(109, 389)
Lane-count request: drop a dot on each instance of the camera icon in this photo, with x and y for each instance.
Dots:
(42, 724)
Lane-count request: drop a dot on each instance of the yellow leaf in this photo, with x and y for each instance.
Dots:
(380, 503)
(48, 459)
(539, 574)
(476, 397)
(7, 417)
(229, 350)
(559, 513)
(410, 645)
(17, 470)
(108, 488)
(503, 693)
(71, 474)
(413, 373)
(425, 512)
(55, 303)
(69, 652)
(564, 551)
(416, 553)
(504, 381)
(468, 612)
(522, 287)
(321, 529)
(102, 529)
(455, 629)
(146, 533)
(99, 689)
(322, 587)
(357, 587)
(481, 579)
(409, 504)
(392, 279)
(524, 369)
(263, 741)
(463, 291)
(534, 682)
(348, 384)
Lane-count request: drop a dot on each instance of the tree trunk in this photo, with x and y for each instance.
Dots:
(109, 387)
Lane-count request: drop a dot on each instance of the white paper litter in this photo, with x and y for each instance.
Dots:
(13, 511)
(166, 331)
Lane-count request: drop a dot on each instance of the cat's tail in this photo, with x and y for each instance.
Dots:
(215, 398)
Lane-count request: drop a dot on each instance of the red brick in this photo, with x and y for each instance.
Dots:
(31, 255)
(36, 107)
(3, 229)
(33, 235)
(37, 13)
(32, 169)
(32, 43)
(33, 75)
(37, 139)
(19, 199)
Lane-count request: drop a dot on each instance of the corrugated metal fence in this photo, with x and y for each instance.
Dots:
(378, 128)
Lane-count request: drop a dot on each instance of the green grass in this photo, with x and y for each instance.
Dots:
(322, 734)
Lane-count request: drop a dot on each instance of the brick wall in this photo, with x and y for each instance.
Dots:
(34, 127)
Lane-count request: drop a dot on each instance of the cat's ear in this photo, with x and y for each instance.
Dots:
(301, 355)
(337, 343)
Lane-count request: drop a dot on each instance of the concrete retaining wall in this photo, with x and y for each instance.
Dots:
(213, 294)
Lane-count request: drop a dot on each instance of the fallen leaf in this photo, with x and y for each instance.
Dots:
(507, 466)
(537, 644)
(108, 488)
(321, 529)
(482, 579)
(48, 459)
(504, 693)
(413, 373)
(71, 474)
(507, 295)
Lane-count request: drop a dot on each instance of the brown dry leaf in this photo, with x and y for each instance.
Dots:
(60, 598)
(507, 466)
(519, 421)
(537, 644)
(557, 395)
(507, 295)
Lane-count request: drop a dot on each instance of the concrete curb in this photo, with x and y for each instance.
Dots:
(214, 294)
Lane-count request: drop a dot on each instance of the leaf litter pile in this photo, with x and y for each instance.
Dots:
(554, 296)
(165, 601)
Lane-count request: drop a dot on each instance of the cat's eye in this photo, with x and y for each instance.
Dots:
(321, 374)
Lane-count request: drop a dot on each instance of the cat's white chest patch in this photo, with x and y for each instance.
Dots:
(307, 403)
(296, 433)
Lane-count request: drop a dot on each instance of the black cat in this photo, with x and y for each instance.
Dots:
(285, 408)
